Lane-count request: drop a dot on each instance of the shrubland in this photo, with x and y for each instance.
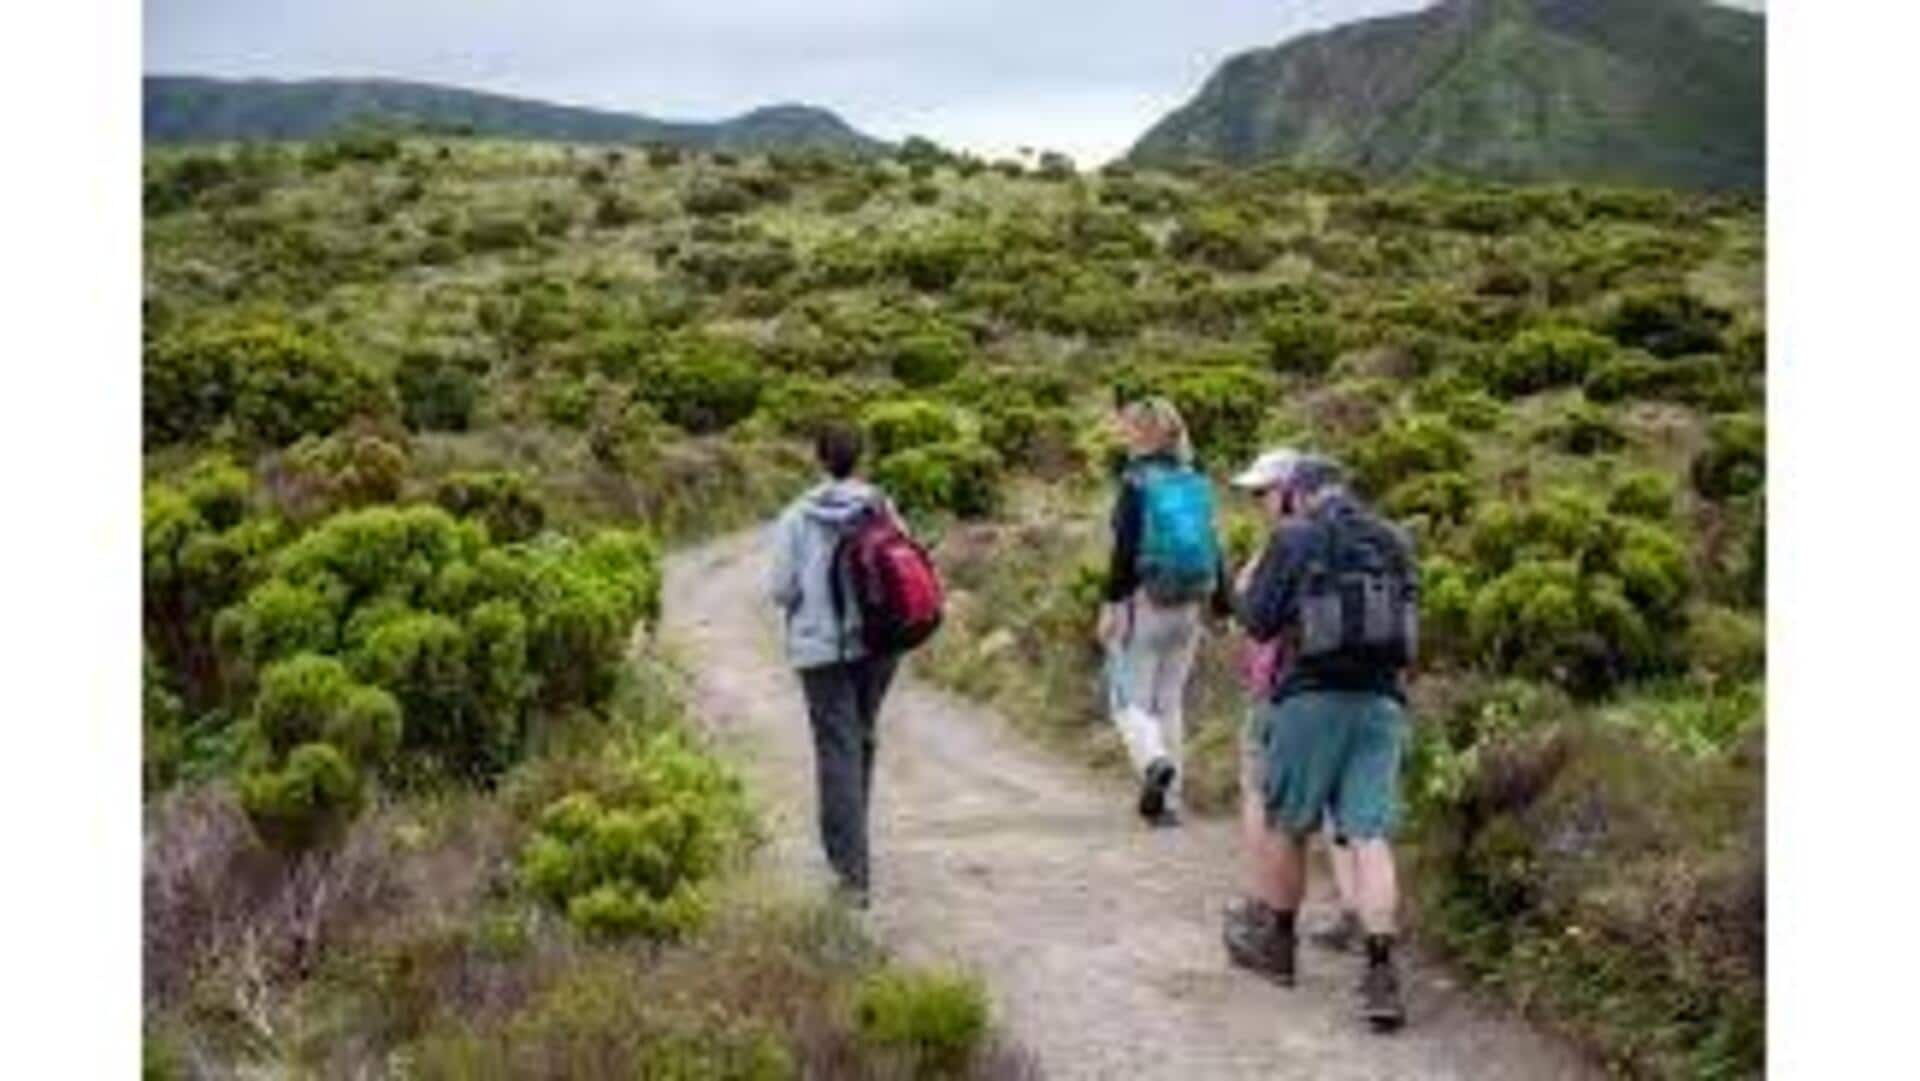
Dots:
(421, 414)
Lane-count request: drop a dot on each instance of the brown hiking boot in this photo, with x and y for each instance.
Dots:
(1255, 941)
(1380, 1001)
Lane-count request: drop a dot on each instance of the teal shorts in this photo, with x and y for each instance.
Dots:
(1329, 753)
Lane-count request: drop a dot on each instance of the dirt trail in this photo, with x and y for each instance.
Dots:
(1099, 939)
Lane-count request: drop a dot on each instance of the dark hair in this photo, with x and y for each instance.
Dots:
(837, 446)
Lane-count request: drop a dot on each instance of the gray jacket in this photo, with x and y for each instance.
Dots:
(804, 539)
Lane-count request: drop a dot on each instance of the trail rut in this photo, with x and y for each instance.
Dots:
(1099, 939)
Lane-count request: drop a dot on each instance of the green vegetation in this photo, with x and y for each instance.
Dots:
(1666, 92)
(419, 423)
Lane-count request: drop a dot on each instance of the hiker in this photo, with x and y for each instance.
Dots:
(846, 626)
(1338, 585)
(1165, 566)
(1262, 666)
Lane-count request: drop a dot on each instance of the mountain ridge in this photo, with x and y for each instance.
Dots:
(194, 108)
(1669, 92)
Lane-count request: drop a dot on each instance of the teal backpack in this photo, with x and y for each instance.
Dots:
(1179, 557)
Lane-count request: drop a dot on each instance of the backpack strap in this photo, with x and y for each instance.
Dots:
(837, 590)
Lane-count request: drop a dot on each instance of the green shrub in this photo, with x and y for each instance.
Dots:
(1582, 429)
(1667, 322)
(505, 503)
(1644, 494)
(473, 640)
(438, 391)
(313, 735)
(933, 260)
(1725, 645)
(1735, 461)
(273, 381)
(714, 198)
(497, 233)
(901, 425)
(1408, 448)
(1302, 343)
(1442, 498)
(317, 477)
(960, 476)
(1547, 357)
(927, 357)
(802, 406)
(704, 383)
(1227, 239)
(940, 1018)
(1044, 438)
(630, 857)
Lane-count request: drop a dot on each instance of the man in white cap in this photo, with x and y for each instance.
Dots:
(1339, 586)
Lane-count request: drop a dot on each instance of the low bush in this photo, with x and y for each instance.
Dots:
(505, 503)
(439, 391)
(957, 476)
(1735, 460)
(318, 477)
(716, 198)
(1582, 429)
(1644, 494)
(704, 383)
(272, 381)
(1302, 343)
(1547, 357)
(939, 1018)
(630, 857)
(472, 639)
(1222, 238)
(927, 356)
(1407, 448)
(1667, 322)
(904, 424)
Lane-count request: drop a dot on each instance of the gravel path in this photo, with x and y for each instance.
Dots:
(1099, 939)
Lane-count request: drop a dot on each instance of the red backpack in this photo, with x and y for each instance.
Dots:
(893, 582)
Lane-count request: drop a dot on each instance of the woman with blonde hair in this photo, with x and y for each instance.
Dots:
(1165, 565)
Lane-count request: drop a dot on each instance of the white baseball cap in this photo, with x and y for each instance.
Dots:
(1271, 468)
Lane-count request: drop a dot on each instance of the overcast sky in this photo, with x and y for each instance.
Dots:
(1083, 76)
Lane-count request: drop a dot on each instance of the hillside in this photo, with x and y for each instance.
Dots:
(1662, 92)
(189, 109)
(423, 416)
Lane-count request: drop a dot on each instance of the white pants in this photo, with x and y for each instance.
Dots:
(1151, 661)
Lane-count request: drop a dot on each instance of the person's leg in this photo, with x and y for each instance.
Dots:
(834, 710)
(875, 676)
(1181, 631)
(1135, 667)
(1344, 932)
(1260, 930)
(1369, 809)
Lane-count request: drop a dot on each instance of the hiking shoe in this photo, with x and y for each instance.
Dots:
(1380, 1001)
(1341, 936)
(1255, 942)
(1167, 819)
(1153, 788)
(852, 895)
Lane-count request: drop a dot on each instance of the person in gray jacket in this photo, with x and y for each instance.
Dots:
(843, 682)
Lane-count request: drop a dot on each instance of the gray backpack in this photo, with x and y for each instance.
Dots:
(1360, 594)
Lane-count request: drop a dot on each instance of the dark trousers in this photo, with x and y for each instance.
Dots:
(843, 701)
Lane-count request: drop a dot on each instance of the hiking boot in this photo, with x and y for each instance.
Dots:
(852, 895)
(1380, 1001)
(1167, 819)
(1153, 788)
(1255, 941)
(1341, 936)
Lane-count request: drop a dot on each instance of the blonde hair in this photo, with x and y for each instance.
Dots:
(1159, 421)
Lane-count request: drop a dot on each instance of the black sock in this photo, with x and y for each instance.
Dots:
(1379, 949)
(1282, 921)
